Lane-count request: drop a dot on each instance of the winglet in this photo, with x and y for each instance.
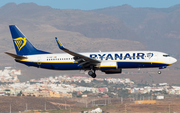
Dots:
(59, 44)
(76, 54)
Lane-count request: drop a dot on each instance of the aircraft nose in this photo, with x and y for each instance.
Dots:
(173, 60)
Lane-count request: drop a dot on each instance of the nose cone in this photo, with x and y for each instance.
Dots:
(173, 60)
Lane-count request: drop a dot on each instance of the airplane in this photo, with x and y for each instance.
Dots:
(107, 62)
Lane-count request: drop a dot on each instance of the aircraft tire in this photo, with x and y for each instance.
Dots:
(93, 75)
(90, 73)
(159, 72)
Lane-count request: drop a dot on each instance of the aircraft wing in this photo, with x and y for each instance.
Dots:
(83, 60)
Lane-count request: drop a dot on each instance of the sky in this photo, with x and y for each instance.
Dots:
(96, 4)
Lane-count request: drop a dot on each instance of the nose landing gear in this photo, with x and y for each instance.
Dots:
(162, 67)
(159, 72)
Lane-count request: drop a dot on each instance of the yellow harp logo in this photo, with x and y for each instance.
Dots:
(20, 42)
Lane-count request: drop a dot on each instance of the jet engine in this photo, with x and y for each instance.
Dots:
(109, 67)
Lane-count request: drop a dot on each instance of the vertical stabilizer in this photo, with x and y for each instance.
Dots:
(21, 43)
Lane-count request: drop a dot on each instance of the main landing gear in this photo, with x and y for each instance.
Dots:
(92, 72)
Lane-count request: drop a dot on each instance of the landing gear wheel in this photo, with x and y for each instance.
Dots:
(92, 74)
(159, 72)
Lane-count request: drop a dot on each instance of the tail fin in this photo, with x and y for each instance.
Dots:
(21, 43)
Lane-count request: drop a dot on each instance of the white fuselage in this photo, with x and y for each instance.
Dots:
(123, 59)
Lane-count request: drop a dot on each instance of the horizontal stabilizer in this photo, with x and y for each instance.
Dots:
(16, 56)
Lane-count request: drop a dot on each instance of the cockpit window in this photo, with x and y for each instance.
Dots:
(166, 55)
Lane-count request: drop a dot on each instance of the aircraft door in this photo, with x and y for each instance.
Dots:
(156, 57)
(151, 57)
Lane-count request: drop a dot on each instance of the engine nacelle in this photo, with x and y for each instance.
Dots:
(109, 67)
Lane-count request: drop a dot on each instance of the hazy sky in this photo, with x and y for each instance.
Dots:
(96, 4)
